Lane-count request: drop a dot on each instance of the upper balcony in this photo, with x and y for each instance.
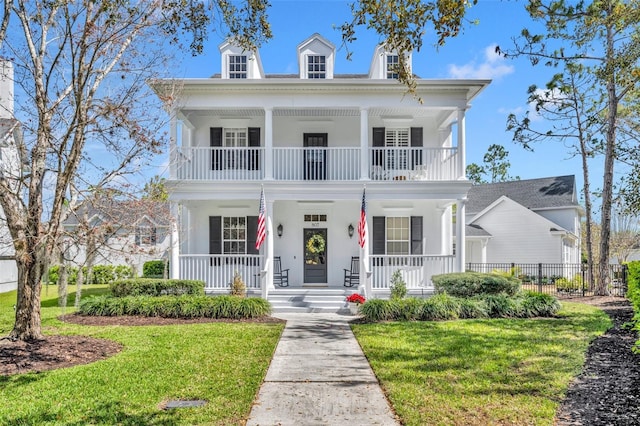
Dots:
(315, 164)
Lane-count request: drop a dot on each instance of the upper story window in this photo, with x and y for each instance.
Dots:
(316, 66)
(392, 67)
(397, 138)
(145, 235)
(237, 66)
(235, 137)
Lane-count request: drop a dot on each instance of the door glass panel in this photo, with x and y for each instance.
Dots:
(315, 247)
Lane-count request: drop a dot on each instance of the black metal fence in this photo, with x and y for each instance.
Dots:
(558, 279)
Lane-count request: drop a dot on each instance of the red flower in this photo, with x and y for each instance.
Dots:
(356, 298)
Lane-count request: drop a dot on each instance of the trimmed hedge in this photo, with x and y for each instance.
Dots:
(469, 284)
(102, 274)
(153, 269)
(156, 287)
(445, 307)
(186, 306)
(633, 294)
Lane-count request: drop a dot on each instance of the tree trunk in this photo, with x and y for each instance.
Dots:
(607, 185)
(27, 324)
(79, 282)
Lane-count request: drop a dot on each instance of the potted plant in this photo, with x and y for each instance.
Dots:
(355, 300)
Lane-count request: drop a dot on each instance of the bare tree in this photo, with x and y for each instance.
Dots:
(82, 68)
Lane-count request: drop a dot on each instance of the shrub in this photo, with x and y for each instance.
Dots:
(440, 307)
(238, 288)
(186, 306)
(566, 285)
(375, 310)
(500, 305)
(469, 284)
(154, 269)
(156, 287)
(102, 274)
(398, 287)
(538, 304)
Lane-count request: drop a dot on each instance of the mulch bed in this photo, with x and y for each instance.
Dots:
(607, 392)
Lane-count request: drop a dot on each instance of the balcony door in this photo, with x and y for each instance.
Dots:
(315, 156)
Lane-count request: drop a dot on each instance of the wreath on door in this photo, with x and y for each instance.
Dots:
(316, 244)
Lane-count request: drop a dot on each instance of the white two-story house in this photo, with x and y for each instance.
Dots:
(313, 141)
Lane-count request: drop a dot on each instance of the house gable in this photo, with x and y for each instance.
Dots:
(382, 62)
(236, 63)
(316, 58)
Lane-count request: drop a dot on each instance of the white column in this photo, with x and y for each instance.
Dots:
(173, 137)
(267, 253)
(462, 140)
(174, 243)
(460, 235)
(364, 143)
(268, 143)
(483, 256)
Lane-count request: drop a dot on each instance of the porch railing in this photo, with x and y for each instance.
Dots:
(217, 271)
(315, 163)
(416, 270)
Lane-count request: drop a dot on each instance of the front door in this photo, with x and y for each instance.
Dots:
(315, 255)
(315, 156)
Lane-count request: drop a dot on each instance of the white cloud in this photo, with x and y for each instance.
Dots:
(492, 67)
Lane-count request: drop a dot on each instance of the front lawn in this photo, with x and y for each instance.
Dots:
(479, 372)
(221, 363)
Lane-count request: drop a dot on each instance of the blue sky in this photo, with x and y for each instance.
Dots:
(470, 55)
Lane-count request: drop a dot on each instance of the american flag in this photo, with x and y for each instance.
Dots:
(362, 225)
(261, 233)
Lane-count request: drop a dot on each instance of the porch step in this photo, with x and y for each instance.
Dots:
(304, 299)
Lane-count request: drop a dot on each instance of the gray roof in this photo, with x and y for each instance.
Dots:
(124, 213)
(474, 230)
(535, 194)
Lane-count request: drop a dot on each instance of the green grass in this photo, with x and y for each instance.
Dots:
(479, 372)
(222, 363)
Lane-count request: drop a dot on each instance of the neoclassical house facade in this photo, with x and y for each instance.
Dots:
(313, 141)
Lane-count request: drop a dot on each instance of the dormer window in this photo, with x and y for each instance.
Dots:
(392, 67)
(316, 66)
(237, 66)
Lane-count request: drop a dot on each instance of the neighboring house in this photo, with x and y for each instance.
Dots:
(524, 221)
(313, 141)
(117, 233)
(10, 165)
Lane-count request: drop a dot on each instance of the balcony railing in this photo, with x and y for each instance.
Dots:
(217, 271)
(300, 164)
(416, 270)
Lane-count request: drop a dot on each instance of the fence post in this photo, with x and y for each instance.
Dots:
(540, 277)
(584, 278)
(625, 271)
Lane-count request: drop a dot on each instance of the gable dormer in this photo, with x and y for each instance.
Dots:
(316, 58)
(384, 64)
(237, 63)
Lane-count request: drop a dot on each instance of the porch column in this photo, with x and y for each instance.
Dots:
(462, 150)
(174, 244)
(268, 143)
(173, 138)
(267, 253)
(483, 253)
(460, 235)
(364, 143)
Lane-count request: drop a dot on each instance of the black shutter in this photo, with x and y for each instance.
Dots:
(378, 142)
(416, 141)
(416, 234)
(378, 239)
(215, 234)
(215, 140)
(254, 155)
(153, 235)
(252, 230)
(137, 235)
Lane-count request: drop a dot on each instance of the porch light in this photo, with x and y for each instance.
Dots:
(350, 230)
(280, 229)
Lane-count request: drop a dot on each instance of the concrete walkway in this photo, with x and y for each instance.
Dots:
(319, 376)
